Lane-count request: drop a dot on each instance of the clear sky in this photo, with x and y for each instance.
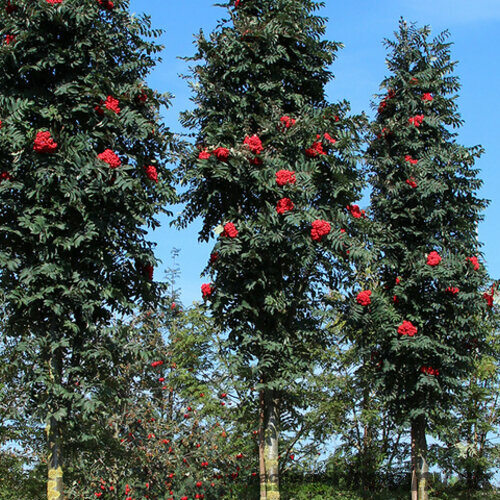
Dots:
(360, 25)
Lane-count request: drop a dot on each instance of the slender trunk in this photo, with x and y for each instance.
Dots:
(367, 462)
(54, 431)
(414, 487)
(420, 467)
(170, 405)
(262, 463)
(271, 437)
(55, 472)
(364, 461)
(394, 451)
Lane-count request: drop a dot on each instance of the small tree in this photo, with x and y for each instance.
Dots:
(425, 210)
(21, 474)
(469, 450)
(169, 432)
(82, 166)
(370, 446)
(271, 176)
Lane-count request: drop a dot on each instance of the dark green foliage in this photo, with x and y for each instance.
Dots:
(73, 251)
(440, 214)
(16, 483)
(269, 280)
(21, 473)
(469, 450)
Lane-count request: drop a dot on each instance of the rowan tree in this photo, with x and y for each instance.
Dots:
(469, 451)
(83, 176)
(170, 429)
(426, 298)
(273, 177)
(369, 449)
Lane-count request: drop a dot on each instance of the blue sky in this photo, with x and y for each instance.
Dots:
(360, 67)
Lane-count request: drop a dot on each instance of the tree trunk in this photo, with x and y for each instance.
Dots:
(55, 472)
(262, 463)
(414, 487)
(419, 465)
(271, 437)
(54, 428)
(367, 459)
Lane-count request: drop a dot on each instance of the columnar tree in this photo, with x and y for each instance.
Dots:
(83, 175)
(426, 210)
(271, 175)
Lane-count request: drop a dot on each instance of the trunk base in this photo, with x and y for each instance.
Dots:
(272, 491)
(262, 459)
(271, 438)
(420, 467)
(423, 488)
(272, 479)
(55, 484)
